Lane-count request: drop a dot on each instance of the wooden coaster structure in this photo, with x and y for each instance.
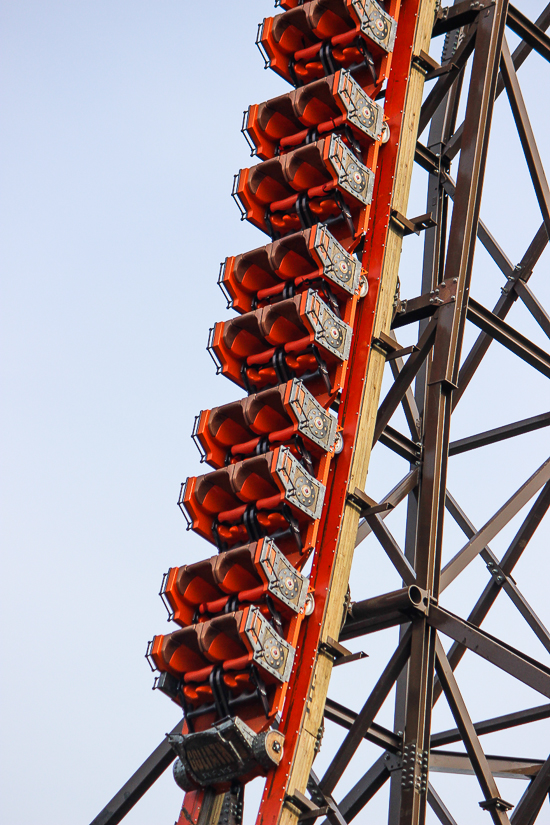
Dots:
(264, 619)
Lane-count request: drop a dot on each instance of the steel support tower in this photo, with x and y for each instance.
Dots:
(321, 322)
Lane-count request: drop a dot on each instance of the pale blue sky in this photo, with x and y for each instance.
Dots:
(121, 137)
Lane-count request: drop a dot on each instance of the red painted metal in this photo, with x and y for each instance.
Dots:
(254, 354)
(372, 260)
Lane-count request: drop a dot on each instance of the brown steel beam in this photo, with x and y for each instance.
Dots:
(505, 767)
(441, 379)
(415, 309)
(510, 338)
(531, 802)
(436, 804)
(495, 651)
(526, 136)
(493, 801)
(495, 524)
(410, 600)
(399, 443)
(408, 402)
(502, 307)
(392, 549)
(509, 560)
(498, 723)
(518, 599)
(377, 734)
(363, 791)
(427, 159)
(503, 580)
(444, 83)
(362, 627)
(526, 425)
(493, 248)
(404, 379)
(535, 308)
(394, 497)
(489, 242)
(526, 531)
(519, 57)
(320, 797)
(366, 716)
(525, 48)
(138, 784)
(528, 31)
(454, 17)
(522, 52)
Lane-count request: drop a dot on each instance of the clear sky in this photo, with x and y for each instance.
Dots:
(121, 135)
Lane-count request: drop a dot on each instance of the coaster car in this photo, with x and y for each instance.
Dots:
(270, 495)
(296, 338)
(319, 37)
(286, 414)
(336, 102)
(312, 258)
(322, 182)
(235, 660)
(257, 572)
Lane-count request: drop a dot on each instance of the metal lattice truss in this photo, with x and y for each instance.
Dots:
(422, 669)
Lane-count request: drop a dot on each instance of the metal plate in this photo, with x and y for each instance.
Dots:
(353, 176)
(302, 490)
(376, 23)
(338, 265)
(270, 651)
(331, 332)
(284, 580)
(313, 420)
(363, 112)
